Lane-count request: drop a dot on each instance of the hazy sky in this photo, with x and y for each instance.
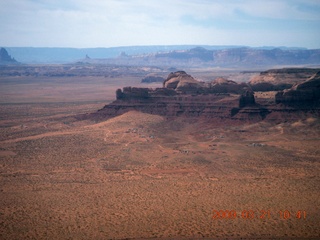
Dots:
(109, 23)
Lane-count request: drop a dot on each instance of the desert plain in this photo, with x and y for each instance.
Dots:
(143, 176)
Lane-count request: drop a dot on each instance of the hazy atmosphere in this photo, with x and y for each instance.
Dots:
(85, 24)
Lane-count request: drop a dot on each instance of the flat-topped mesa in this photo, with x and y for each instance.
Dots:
(182, 95)
(305, 93)
(181, 83)
(281, 79)
(132, 93)
(176, 83)
(221, 99)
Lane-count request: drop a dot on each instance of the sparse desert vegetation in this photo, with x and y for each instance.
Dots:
(142, 176)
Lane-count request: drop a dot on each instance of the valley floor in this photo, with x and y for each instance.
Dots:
(140, 176)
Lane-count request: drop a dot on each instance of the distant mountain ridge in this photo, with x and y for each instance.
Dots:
(67, 55)
(239, 57)
(175, 56)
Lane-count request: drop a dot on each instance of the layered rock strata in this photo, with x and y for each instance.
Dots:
(307, 92)
(182, 95)
(280, 79)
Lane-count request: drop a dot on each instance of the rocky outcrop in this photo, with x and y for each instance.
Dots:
(178, 97)
(303, 93)
(182, 82)
(5, 58)
(247, 99)
(280, 79)
(170, 101)
(185, 84)
(132, 93)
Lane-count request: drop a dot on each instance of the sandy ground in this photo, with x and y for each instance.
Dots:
(141, 176)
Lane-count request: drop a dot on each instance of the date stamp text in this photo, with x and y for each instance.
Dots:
(259, 214)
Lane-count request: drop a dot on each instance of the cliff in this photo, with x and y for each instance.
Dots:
(305, 93)
(280, 79)
(182, 95)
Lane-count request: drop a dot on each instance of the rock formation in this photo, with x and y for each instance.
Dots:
(185, 84)
(280, 79)
(197, 99)
(307, 92)
(247, 99)
(182, 82)
(132, 93)
(5, 58)
(182, 95)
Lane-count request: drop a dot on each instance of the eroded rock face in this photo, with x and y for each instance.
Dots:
(301, 94)
(132, 93)
(280, 79)
(247, 99)
(234, 102)
(182, 95)
(181, 81)
(184, 83)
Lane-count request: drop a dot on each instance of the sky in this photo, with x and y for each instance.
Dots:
(111, 23)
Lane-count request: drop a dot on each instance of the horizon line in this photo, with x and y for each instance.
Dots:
(166, 45)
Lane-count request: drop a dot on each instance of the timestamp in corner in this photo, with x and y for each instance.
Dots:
(259, 214)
